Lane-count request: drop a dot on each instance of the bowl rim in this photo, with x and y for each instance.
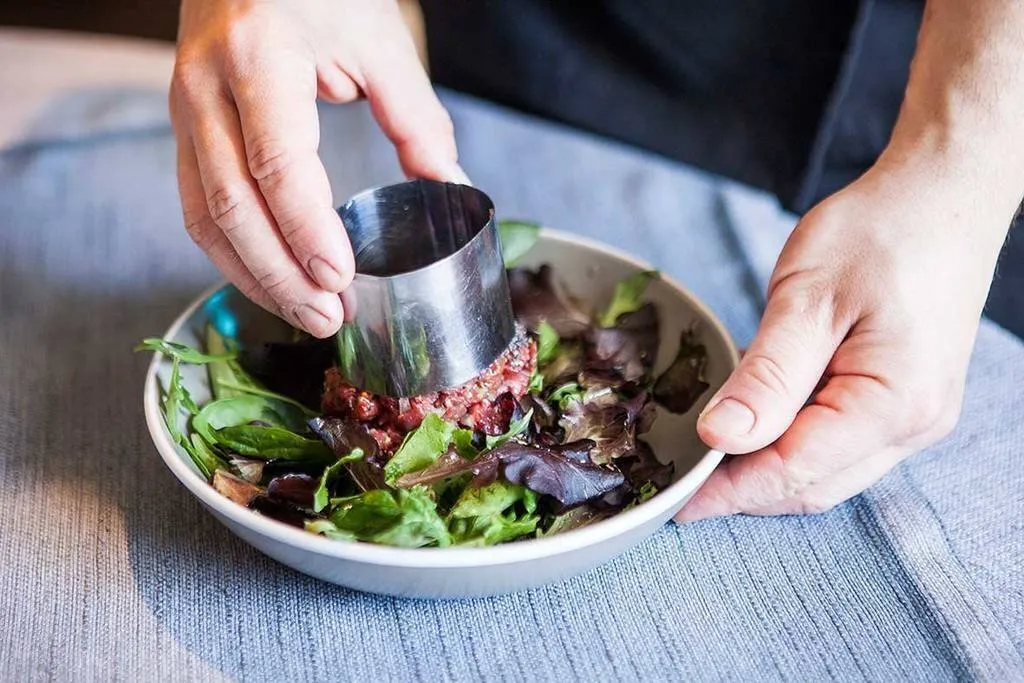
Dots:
(367, 553)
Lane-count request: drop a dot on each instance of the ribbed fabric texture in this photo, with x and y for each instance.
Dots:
(109, 570)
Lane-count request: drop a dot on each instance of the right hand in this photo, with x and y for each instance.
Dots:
(254, 193)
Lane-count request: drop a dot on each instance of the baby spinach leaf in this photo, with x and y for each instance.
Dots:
(626, 298)
(271, 442)
(421, 447)
(517, 238)
(181, 352)
(245, 409)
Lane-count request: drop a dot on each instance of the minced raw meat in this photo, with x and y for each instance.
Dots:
(484, 404)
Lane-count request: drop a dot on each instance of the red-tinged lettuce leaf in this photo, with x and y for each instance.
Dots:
(235, 488)
(296, 489)
(642, 467)
(575, 518)
(280, 510)
(630, 347)
(626, 297)
(679, 387)
(450, 464)
(552, 474)
(344, 437)
(612, 426)
(537, 296)
(565, 365)
(421, 448)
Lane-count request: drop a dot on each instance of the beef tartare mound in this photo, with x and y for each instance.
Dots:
(484, 404)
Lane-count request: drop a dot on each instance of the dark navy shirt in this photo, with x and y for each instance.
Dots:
(794, 96)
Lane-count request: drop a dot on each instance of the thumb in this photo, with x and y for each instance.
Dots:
(778, 373)
(408, 111)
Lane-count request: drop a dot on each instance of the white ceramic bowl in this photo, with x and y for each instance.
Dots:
(589, 271)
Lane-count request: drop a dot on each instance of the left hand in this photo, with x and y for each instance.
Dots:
(862, 354)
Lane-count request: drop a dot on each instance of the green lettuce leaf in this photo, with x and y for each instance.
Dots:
(517, 238)
(401, 518)
(421, 447)
(487, 501)
(626, 298)
(320, 496)
(516, 428)
(547, 343)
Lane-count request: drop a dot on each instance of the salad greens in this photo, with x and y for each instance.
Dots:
(573, 452)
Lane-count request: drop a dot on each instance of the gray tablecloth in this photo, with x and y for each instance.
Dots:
(110, 570)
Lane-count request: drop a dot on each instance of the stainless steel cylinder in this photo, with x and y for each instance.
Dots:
(429, 307)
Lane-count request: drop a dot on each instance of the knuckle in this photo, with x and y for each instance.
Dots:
(768, 373)
(929, 416)
(279, 285)
(268, 158)
(186, 83)
(227, 206)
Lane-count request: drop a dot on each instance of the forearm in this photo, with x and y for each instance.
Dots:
(963, 114)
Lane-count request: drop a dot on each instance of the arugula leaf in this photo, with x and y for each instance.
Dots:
(226, 376)
(626, 298)
(180, 352)
(173, 401)
(487, 501)
(516, 428)
(421, 447)
(547, 342)
(320, 496)
(517, 238)
(203, 456)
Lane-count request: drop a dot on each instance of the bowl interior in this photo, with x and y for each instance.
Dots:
(589, 272)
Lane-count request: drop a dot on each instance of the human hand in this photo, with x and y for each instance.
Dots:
(255, 195)
(872, 313)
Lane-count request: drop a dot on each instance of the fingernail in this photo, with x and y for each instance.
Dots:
(312, 320)
(326, 275)
(457, 175)
(729, 418)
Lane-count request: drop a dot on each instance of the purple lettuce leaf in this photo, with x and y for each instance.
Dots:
(679, 387)
(343, 437)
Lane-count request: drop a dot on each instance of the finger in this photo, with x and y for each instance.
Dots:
(276, 100)
(237, 207)
(846, 424)
(776, 376)
(410, 114)
(205, 233)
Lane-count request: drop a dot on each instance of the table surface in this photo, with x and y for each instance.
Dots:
(109, 569)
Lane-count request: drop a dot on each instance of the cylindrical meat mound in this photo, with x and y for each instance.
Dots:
(484, 404)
